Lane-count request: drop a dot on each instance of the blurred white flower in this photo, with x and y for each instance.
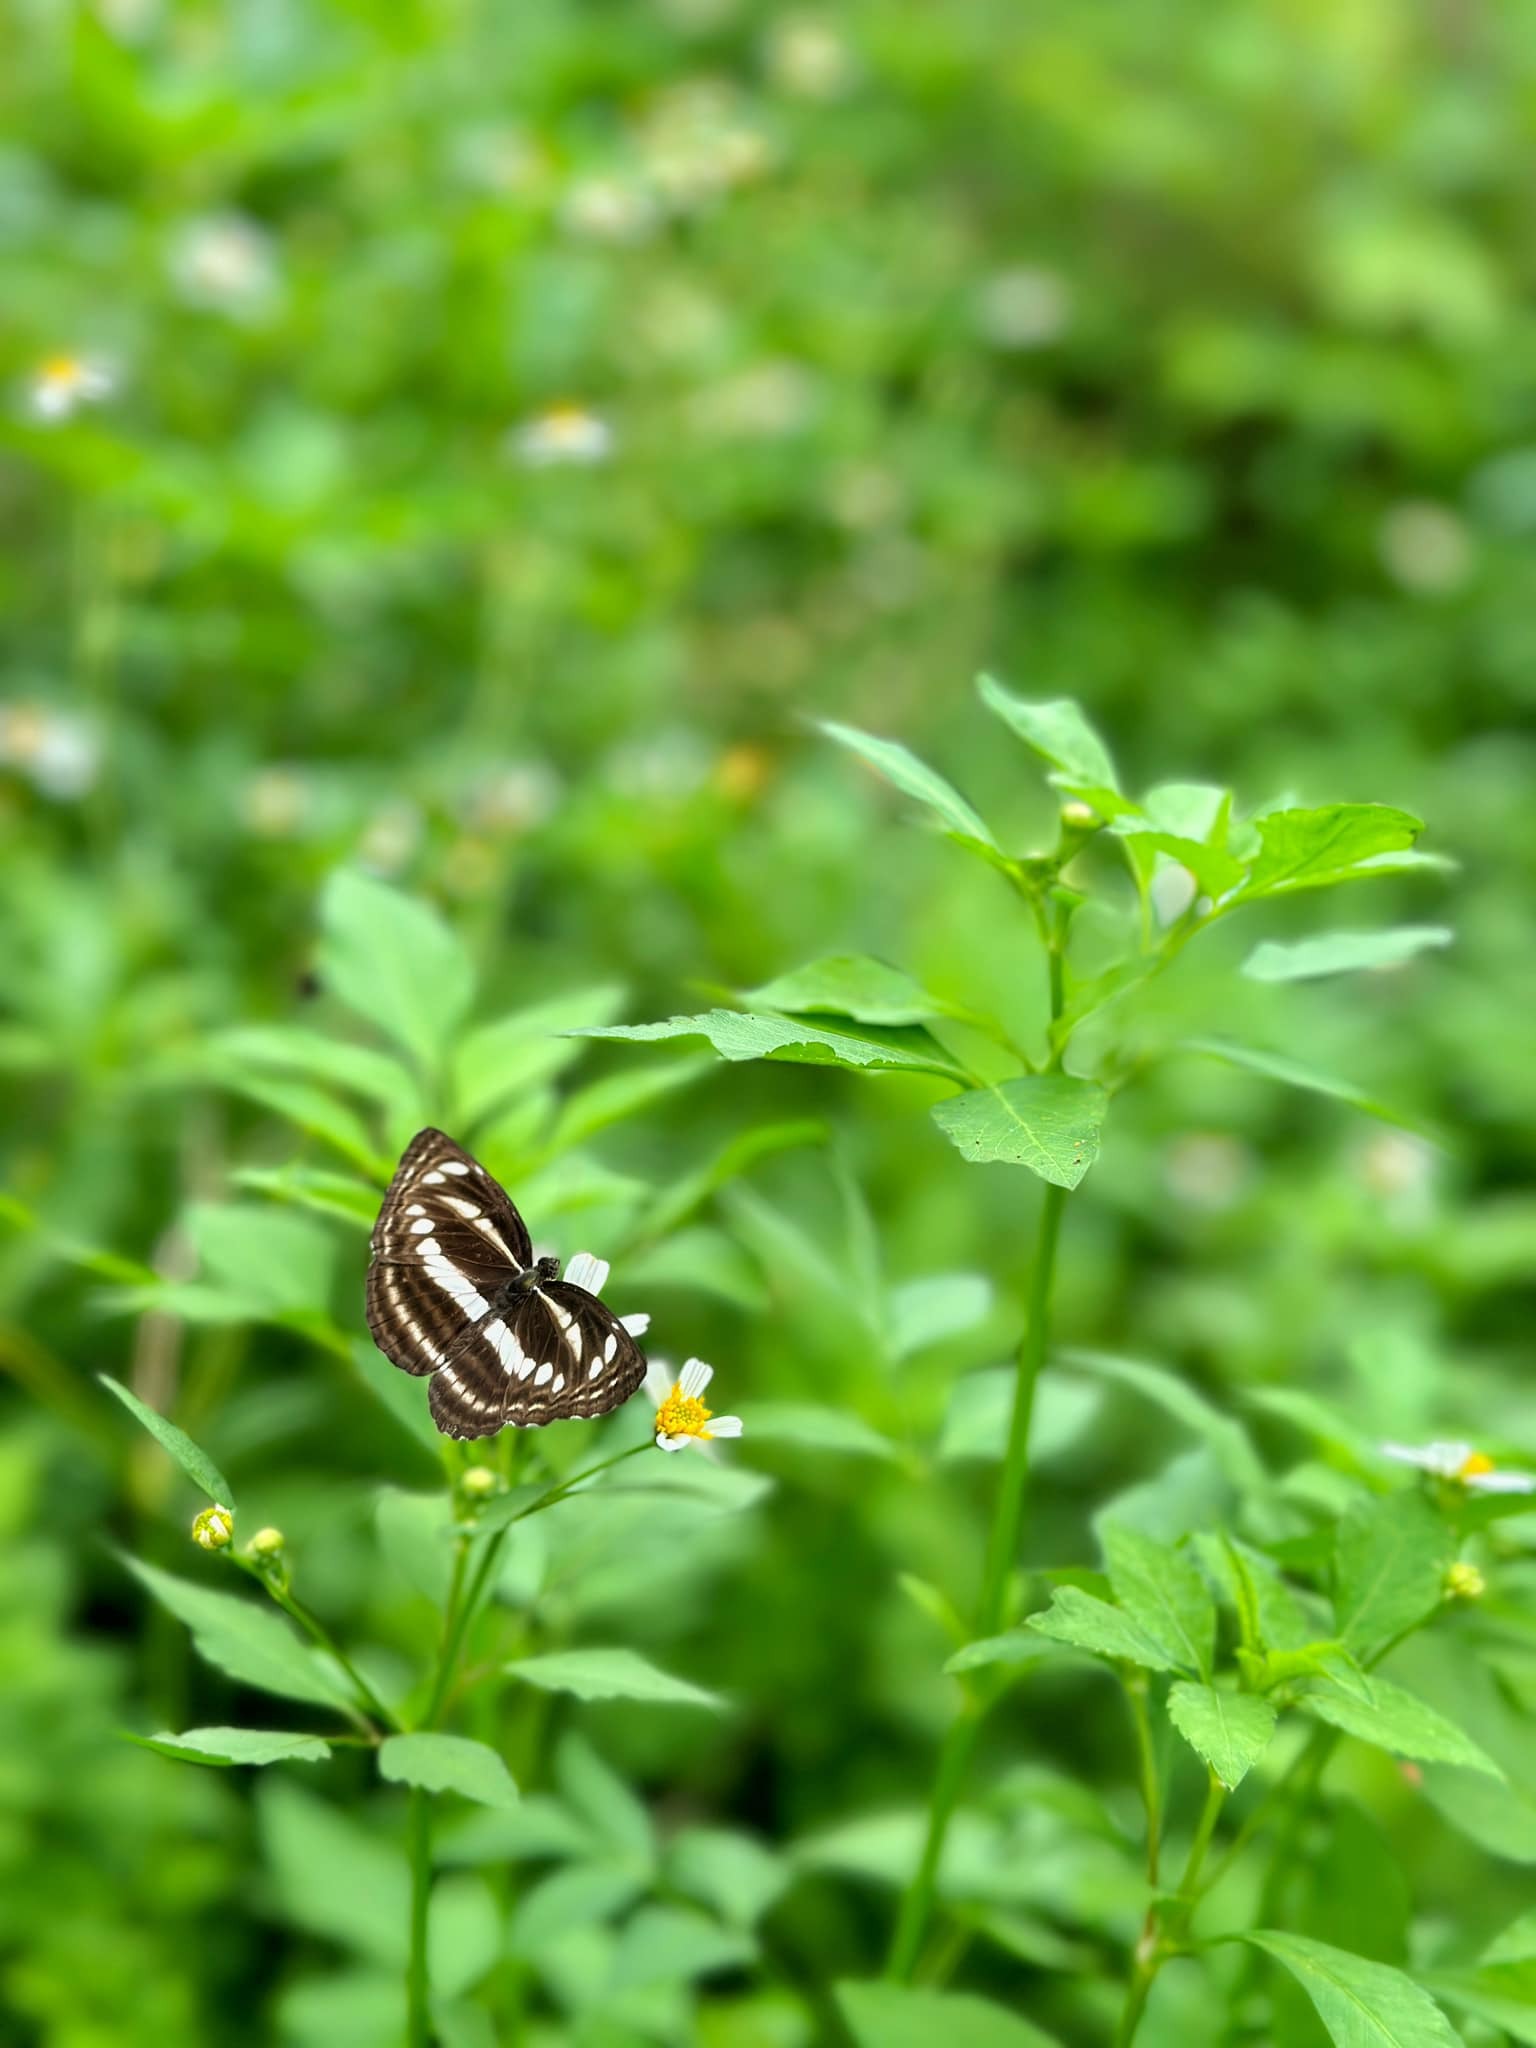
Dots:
(1425, 548)
(1207, 1170)
(697, 145)
(57, 751)
(1023, 308)
(607, 209)
(390, 837)
(1472, 1469)
(1172, 890)
(761, 403)
(807, 58)
(516, 798)
(62, 384)
(224, 263)
(681, 1417)
(562, 434)
(276, 802)
(663, 766)
(1399, 1169)
(499, 159)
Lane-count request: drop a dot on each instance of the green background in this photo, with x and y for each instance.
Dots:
(1178, 359)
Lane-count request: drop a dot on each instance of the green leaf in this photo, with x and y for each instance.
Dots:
(1214, 869)
(674, 1945)
(393, 961)
(603, 1674)
(252, 1644)
(914, 778)
(196, 1463)
(618, 1096)
(1230, 1730)
(404, 1396)
(276, 1261)
(448, 1763)
(935, 1307)
(1275, 1066)
(1336, 843)
(851, 985)
(1515, 1943)
(1163, 1593)
(237, 1746)
(309, 1109)
(577, 1896)
(814, 1428)
(1504, 1997)
(1342, 952)
(330, 1876)
(739, 1035)
(1362, 2004)
(1057, 730)
(1087, 1623)
(732, 1873)
(905, 2016)
(1173, 1393)
(1047, 1122)
(518, 1052)
(292, 1049)
(1014, 1648)
(311, 1187)
(1390, 1561)
(1398, 1721)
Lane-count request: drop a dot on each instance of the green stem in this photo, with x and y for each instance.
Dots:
(1002, 1549)
(320, 1634)
(1166, 1930)
(418, 2031)
(1215, 1797)
(453, 1630)
(1146, 1755)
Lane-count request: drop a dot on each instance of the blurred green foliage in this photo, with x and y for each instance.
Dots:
(492, 432)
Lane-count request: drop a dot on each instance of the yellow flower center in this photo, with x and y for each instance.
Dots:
(1474, 1465)
(61, 370)
(682, 1414)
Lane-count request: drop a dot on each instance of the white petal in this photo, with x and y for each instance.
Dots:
(1500, 1482)
(1442, 1458)
(696, 1376)
(725, 1425)
(637, 1325)
(673, 1443)
(586, 1271)
(658, 1381)
(698, 1443)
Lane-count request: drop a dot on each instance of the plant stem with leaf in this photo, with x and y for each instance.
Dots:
(1002, 1543)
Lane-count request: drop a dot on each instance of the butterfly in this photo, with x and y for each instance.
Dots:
(454, 1291)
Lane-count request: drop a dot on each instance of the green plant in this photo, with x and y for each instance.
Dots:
(1127, 885)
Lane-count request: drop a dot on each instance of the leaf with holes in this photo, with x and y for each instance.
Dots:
(1047, 1122)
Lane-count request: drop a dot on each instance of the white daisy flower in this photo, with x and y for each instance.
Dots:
(224, 263)
(1473, 1469)
(584, 1270)
(681, 1417)
(562, 435)
(62, 384)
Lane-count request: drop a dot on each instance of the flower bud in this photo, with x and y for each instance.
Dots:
(478, 1483)
(265, 1545)
(1465, 1582)
(214, 1528)
(1079, 815)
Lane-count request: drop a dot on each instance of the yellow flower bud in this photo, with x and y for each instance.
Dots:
(214, 1528)
(1465, 1582)
(265, 1544)
(479, 1483)
(1078, 814)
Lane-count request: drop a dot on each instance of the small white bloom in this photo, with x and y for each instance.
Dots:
(224, 263)
(1023, 308)
(214, 1528)
(809, 59)
(681, 1416)
(62, 384)
(1172, 890)
(609, 210)
(59, 753)
(1471, 1468)
(1425, 548)
(562, 435)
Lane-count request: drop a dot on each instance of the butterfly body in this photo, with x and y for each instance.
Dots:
(455, 1293)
